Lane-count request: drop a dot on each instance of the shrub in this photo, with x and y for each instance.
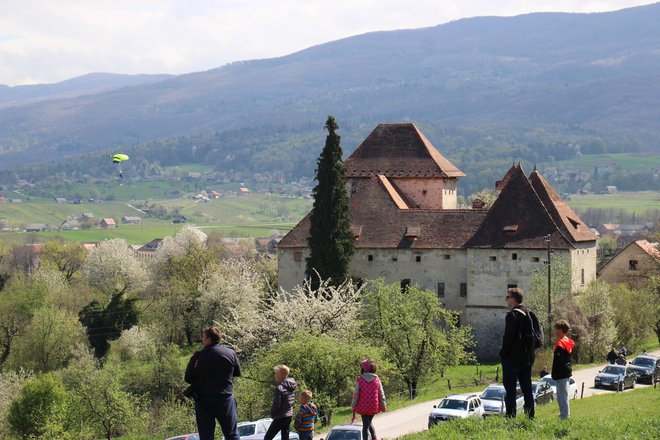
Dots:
(38, 409)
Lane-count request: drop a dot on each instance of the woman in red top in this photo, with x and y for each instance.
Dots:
(368, 398)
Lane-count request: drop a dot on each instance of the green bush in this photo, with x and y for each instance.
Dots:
(173, 417)
(38, 410)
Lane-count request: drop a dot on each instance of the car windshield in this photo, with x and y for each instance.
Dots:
(614, 370)
(246, 430)
(453, 404)
(550, 381)
(344, 434)
(493, 394)
(535, 388)
(643, 362)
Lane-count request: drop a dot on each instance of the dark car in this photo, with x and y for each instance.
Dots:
(645, 366)
(543, 392)
(617, 377)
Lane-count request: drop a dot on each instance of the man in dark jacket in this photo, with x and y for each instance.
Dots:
(611, 357)
(562, 366)
(211, 373)
(517, 356)
(281, 409)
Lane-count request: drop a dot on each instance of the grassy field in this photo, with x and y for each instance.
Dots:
(255, 215)
(631, 202)
(626, 161)
(631, 415)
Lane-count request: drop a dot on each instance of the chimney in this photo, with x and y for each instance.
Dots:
(478, 204)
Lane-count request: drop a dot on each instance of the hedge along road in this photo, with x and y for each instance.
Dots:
(414, 418)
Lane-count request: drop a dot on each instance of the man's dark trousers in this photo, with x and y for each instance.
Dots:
(279, 426)
(208, 409)
(512, 374)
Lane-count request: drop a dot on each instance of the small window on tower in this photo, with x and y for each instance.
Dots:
(582, 277)
(492, 258)
(633, 264)
(535, 259)
(395, 259)
(418, 258)
(511, 286)
(514, 256)
(446, 257)
(405, 283)
(370, 258)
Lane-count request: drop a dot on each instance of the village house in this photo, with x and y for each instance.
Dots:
(108, 223)
(37, 227)
(633, 266)
(70, 224)
(148, 250)
(408, 230)
(129, 219)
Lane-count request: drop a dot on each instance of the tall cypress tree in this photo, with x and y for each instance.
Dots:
(331, 240)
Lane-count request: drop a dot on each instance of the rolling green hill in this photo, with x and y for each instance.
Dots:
(514, 88)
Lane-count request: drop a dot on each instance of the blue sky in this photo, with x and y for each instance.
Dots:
(49, 41)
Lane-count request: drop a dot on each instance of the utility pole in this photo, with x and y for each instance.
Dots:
(549, 263)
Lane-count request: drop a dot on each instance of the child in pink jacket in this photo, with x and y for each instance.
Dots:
(368, 398)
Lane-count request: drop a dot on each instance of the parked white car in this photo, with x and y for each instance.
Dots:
(456, 406)
(493, 400)
(572, 386)
(257, 430)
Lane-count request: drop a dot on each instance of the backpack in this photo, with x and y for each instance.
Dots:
(532, 331)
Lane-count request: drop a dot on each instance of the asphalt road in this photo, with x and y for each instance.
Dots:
(414, 418)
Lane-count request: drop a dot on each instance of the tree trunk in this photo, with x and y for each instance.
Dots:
(412, 388)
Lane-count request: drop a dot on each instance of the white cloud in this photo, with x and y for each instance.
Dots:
(46, 41)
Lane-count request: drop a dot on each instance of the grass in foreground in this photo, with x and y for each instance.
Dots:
(632, 415)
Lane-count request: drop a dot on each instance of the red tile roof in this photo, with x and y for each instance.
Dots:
(383, 225)
(649, 249)
(518, 219)
(527, 210)
(500, 184)
(567, 220)
(398, 150)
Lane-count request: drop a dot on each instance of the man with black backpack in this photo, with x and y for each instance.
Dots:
(522, 336)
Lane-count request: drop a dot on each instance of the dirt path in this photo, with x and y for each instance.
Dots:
(414, 418)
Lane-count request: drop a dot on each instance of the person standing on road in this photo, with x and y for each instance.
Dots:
(611, 357)
(281, 409)
(211, 373)
(517, 353)
(368, 398)
(562, 366)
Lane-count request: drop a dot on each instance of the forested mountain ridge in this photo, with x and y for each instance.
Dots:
(92, 83)
(516, 86)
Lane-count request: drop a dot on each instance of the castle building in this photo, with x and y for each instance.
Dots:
(408, 229)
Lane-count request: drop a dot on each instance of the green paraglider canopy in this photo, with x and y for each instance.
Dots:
(117, 158)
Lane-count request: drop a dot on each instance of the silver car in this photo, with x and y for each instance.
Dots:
(493, 400)
(345, 432)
